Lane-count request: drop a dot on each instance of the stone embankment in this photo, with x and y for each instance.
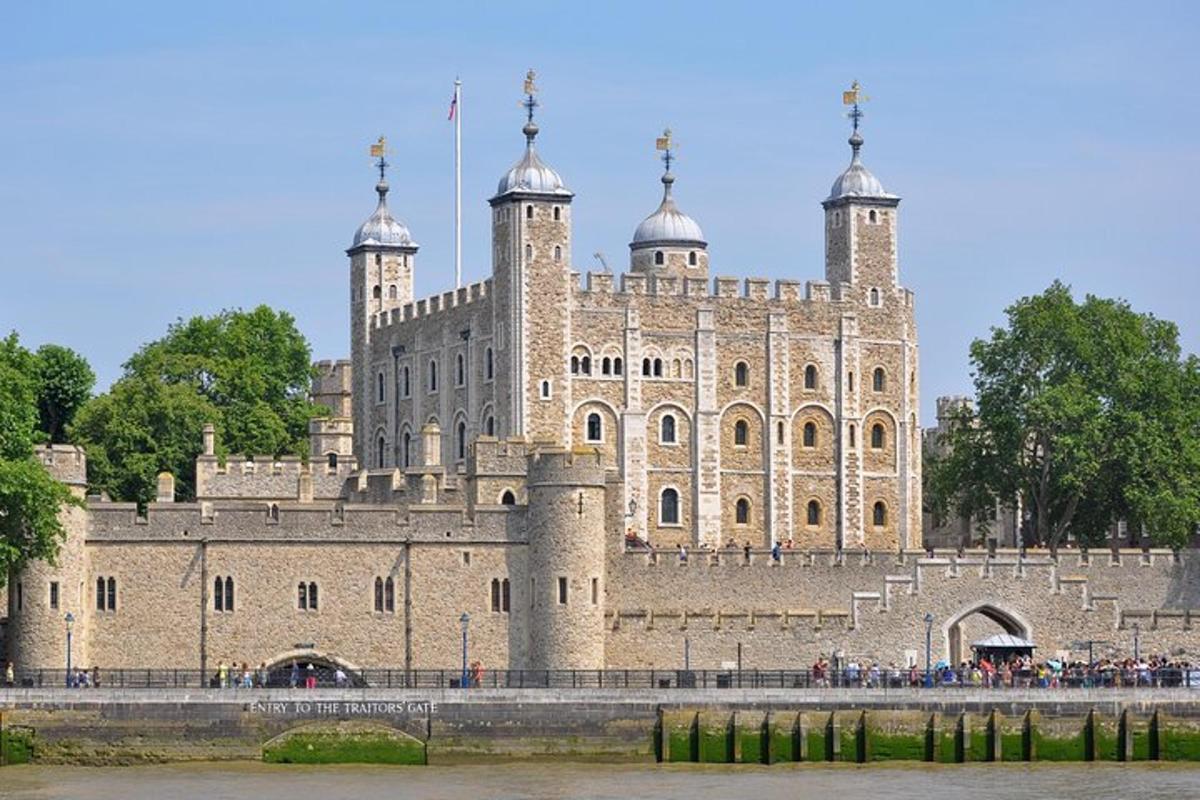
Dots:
(109, 726)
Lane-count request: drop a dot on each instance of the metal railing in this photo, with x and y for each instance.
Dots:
(283, 677)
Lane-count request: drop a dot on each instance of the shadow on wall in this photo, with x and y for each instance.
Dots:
(1183, 591)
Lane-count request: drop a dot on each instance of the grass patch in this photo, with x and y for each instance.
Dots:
(17, 746)
(345, 748)
(896, 746)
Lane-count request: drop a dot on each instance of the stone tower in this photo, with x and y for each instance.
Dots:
(42, 594)
(332, 435)
(382, 259)
(531, 253)
(860, 230)
(669, 242)
(566, 559)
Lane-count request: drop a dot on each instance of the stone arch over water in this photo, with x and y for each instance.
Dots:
(957, 631)
(324, 669)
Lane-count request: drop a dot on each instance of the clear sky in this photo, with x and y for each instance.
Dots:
(160, 160)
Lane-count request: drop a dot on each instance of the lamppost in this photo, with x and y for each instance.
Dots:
(1136, 635)
(70, 620)
(928, 650)
(687, 654)
(465, 619)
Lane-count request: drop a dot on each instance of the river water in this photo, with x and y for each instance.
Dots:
(599, 782)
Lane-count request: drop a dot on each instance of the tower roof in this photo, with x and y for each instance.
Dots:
(381, 229)
(531, 175)
(668, 225)
(857, 181)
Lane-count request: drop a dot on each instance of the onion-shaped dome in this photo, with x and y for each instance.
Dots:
(857, 180)
(382, 229)
(668, 225)
(531, 175)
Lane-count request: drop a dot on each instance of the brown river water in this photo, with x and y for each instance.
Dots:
(600, 782)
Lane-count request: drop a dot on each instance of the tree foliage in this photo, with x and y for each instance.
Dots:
(64, 382)
(30, 498)
(1086, 412)
(247, 372)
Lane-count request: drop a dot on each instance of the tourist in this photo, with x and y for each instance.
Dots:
(853, 672)
(10, 675)
(339, 678)
(819, 672)
(95, 677)
(294, 680)
(746, 550)
(247, 677)
(262, 677)
(477, 674)
(682, 554)
(776, 552)
(222, 674)
(310, 682)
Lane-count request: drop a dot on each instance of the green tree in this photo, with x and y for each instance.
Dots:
(1086, 412)
(247, 372)
(30, 498)
(64, 381)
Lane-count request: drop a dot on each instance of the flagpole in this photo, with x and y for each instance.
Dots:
(457, 183)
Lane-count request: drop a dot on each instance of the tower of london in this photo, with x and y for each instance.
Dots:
(599, 470)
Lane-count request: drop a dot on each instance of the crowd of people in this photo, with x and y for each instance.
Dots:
(233, 676)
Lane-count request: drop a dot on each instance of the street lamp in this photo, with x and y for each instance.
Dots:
(70, 620)
(928, 650)
(1136, 634)
(465, 619)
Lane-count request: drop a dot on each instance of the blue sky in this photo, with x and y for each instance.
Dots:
(163, 160)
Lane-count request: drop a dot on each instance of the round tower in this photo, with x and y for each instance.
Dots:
(566, 559)
(41, 594)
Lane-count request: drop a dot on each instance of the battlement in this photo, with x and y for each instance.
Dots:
(948, 405)
(66, 462)
(491, 456)
(556, 465)
(432, 306)
(333, 377)
(268, 478)
(757, 289)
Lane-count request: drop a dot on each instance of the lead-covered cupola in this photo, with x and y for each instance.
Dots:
(669, 242)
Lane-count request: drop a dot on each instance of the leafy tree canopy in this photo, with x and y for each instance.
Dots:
(1086, 412)
(64, 382)
(30, 499)
(247, 372)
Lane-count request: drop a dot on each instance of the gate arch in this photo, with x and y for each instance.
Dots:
(1012, 623)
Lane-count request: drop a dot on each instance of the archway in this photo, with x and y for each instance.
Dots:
(978, 622)
(324, 670)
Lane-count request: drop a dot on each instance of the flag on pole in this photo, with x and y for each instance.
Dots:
(453, 105)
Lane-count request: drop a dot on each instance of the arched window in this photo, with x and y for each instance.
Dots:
(433, 376)
(872, 216)
(741, 374)
(810, 434)
(507, 499)
(668, 507)
(617, 366)
(332, 459)
(273, 512)
(779, 433)
(852, 436)
(741, 433)
(504, 606)
(658, 367)
(574, 365)
(850, 381)
(646, 366)
(545, 390)
(406, 450)
(606, 366)
(667, 430)
(810, 376)
(379, 594)
(100, 594)
(814, 512)
(528, 252)
(228, 593)
(879, 514)
(460, 370)
(312, 597)
(528, 212)
(380, 447)
(112, 594)
(489, 425)
(302, 596)
(389, 595)
(878, 379)
(585, 365)
(742, 511)
(392, 292)
(692, 258)
(557, 213)
(489, 369)
(495, 594)
(380, 392)
(658, 257)
(595, 428)
(874, 297)
(378, 259)
(376, 291)
(218, 594)
(557, 253)
(460, 440)
(878, 436)
(405, 384)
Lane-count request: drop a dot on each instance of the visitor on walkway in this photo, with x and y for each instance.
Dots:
(10, 675)
(746, 550)
(339, 678)
(95, 677)
(294, 680)
(682, 554)
(222, 674)
(310, 682)
(476, 674)
(776, 552)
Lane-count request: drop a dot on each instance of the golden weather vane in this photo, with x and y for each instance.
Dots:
(530, 102)
(852, 97)
(666, 143)
(379, 150)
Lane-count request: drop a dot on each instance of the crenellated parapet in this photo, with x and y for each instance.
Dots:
(266, 477)
(430, 308)
(66, 462)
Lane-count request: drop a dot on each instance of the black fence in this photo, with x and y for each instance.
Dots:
(325, 676)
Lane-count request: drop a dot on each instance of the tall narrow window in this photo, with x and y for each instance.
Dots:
(658, 257)
(606, 366)
(668, 507)
(331, 459)
(54, 594)
(557, 213)
(574, 365)
(692, 258)
(496, 594)
(667, 435)
(617, 366)
(228, 593)
(389, 595)
(406, 449)
(874, 297)
(99, 594)
(810, 376)
(112, 594)
(379, 594)
(218, 594)
(302, 596)
(433, 376)
(461, 440)
(810, 434)
(878, 436)
(489, 369)
(380, 452)
(562, 591)
(312, 596)
(380, 391)
(741, 433)
(460, 370)
(405, 383)
(585, 365)
(489, 425)
(528, 252)
(779, 433)
(850, 381)
(504, 596)
(852, 436)
(20, 596)
(878, 379)
(557, 253)
(814, 512)
(528, 212)
(545, 390)
(595, 428)
(595, 591)
(658, 367)
(645, 366)
(742, 511)
(872, 216)
(741, 374)
(879, 515)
